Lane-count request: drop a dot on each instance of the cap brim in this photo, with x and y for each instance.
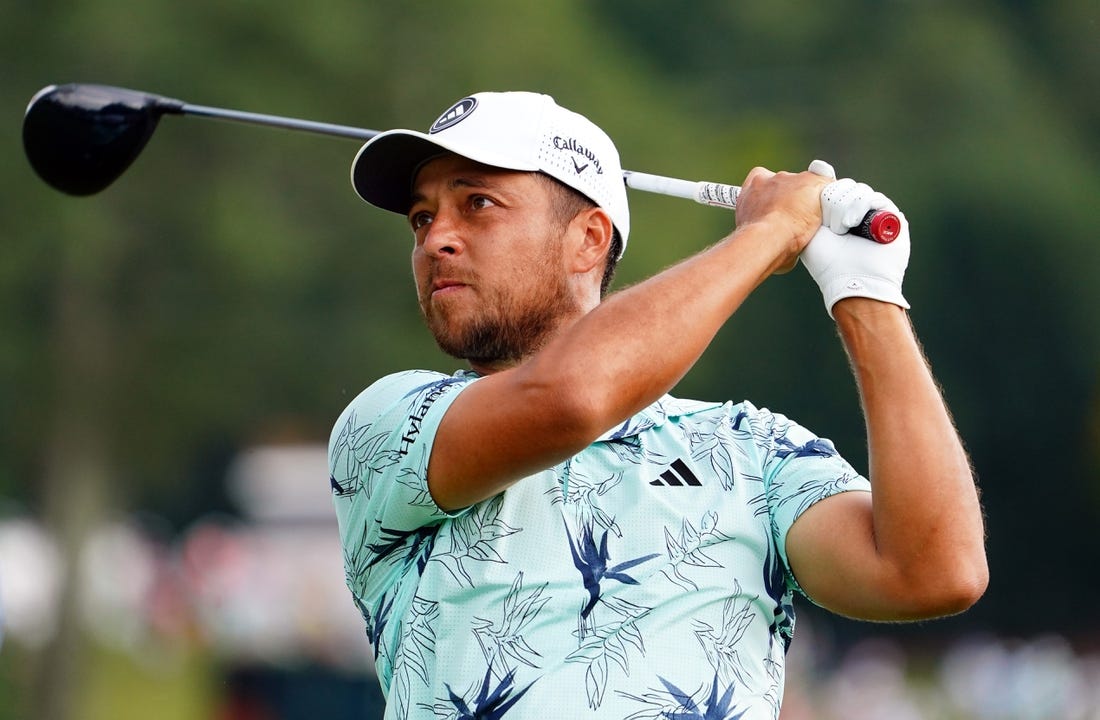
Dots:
(383, 170)
(385, 167)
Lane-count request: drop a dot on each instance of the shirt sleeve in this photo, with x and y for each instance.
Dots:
(799, 469)
(378, 456)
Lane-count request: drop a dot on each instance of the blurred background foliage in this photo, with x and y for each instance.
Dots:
(230, 290)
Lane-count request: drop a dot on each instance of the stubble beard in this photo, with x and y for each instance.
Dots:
(507, 328)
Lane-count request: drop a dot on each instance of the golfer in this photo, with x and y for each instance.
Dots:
(547, 533)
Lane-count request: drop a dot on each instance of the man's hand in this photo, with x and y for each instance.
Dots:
(788, 204)
(845, 265)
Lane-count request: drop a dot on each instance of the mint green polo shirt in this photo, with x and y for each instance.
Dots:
(645, 577)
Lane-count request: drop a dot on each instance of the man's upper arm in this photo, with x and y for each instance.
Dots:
(501, 429)
(831, 553)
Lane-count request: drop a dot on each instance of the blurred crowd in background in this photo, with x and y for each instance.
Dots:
(262, 592)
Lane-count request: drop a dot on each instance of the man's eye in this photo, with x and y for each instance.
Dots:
(420, 219)
(478, 202)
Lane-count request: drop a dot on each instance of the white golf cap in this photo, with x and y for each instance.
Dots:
(513, 130)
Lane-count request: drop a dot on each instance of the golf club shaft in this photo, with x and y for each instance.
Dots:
(277, 121)
(702, 192)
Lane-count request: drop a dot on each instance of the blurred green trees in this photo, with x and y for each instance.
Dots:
(231, 289)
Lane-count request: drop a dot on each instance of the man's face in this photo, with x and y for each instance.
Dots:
(490, 273)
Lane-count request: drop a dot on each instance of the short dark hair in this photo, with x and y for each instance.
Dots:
(566, 204)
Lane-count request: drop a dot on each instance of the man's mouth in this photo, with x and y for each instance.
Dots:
(446, 287)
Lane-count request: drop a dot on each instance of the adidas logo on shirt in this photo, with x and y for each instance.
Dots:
(678, 475)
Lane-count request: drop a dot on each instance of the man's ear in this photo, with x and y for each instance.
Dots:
(595, 233)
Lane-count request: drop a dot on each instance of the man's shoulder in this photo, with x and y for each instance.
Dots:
(407, 388)
(689, 410)
(693, 416)
(406, 384)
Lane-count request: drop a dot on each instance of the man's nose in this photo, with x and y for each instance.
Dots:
(444, 235)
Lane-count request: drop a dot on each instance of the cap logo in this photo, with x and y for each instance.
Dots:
(572, 145)
(454, 114)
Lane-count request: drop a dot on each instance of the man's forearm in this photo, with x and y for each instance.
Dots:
(926, 513)
(593, 375)
(640, 341)
(622, 355)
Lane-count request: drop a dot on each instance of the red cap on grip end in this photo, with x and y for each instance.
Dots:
(885, 227)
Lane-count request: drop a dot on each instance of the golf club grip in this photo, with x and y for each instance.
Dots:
(881, 226)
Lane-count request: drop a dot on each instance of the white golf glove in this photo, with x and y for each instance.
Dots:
(846, 265)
